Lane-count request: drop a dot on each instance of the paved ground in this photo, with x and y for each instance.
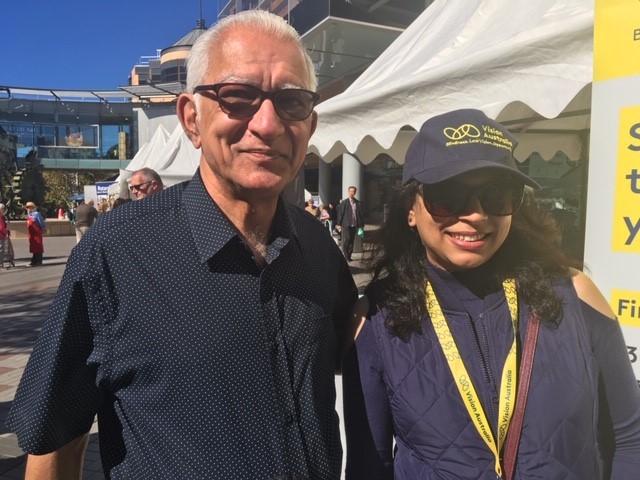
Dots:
(25, 297)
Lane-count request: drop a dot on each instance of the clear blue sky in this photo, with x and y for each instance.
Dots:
(89, 44)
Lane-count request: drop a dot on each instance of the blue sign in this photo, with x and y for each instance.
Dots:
(102, 188)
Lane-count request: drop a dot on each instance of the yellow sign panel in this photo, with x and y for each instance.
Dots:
(616, 39)
(626, 210)
(626, 306)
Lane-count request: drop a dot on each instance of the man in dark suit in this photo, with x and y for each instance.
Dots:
(349, 220)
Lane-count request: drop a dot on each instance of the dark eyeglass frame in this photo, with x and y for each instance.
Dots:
(452, 199)
(133, 188)
(308, 99)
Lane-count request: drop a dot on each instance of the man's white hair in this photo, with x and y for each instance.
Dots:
(260, 20)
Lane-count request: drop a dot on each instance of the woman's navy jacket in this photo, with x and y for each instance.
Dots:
(405, 419)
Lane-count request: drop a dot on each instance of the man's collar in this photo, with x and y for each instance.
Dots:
(210, 228)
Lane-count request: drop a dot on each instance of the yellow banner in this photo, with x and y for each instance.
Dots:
(626, 305)
(616, 39)
(626, 213)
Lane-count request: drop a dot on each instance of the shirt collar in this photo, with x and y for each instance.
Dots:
(211, 230)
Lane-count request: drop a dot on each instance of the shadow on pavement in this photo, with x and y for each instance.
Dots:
(13, 468)
(10, 468)
(22, 317)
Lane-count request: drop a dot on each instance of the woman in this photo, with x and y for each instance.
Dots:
(312, 209)
(35, 232)
(464, 263)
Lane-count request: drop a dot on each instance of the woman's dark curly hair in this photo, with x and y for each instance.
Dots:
(531, 254)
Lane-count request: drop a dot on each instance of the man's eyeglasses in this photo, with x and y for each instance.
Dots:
(452, 199)
(242, 100)
(139, 186)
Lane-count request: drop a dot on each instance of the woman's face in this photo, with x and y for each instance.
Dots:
(465, 240)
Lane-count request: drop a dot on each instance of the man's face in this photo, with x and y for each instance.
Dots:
(352, 193)
(142, 187)
(257, 156)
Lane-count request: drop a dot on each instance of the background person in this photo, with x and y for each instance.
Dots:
(325, 217)
(119, 202)
(465, 260)
(85, 216)
(4, 234)
(145, 182)
(203, 327)
(349, 220)
(311, 209)
(331, 208)
(35, 231)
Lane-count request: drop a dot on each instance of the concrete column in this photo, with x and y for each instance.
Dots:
(352, 172)
(324, 182)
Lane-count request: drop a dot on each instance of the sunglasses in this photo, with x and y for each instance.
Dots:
(452, 199)
(133, 188)
(241, 100)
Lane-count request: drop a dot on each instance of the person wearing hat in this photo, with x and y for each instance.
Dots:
(35, 230)
(467, 276)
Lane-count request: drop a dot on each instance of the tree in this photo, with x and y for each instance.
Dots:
(58, 189)
(61, 185)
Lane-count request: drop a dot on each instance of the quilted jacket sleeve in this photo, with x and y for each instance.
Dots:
(619, 396)
(368, 423)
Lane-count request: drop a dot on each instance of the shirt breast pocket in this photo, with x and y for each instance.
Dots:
(307, 324)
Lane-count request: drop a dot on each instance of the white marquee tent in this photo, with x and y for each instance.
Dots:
(519, 61)
(171, 155)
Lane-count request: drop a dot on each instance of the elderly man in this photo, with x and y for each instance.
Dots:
(216, 361)
(145, 182)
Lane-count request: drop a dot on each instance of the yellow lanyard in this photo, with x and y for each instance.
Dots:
(463, 380)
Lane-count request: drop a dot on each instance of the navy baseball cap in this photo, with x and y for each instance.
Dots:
(458, 142)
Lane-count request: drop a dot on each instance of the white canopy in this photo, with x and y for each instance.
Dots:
(171, 155)
(150, 149)
(517, 60)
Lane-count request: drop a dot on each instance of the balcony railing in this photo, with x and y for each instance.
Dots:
(78, 158)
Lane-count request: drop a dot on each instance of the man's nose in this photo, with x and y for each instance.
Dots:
(266, 122)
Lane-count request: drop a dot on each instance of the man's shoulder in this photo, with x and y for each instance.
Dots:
(139, 214)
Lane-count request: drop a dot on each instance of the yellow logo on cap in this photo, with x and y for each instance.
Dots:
(463, 131)
(467, 134)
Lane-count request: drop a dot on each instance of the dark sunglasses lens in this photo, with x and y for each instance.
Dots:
(293, 104)
(245, 100)
(495, 199)
(517, 197)
(502, 198)
(446, 201)
(239, 100)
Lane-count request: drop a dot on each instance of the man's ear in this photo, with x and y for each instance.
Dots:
(188, 115)
(314, 122)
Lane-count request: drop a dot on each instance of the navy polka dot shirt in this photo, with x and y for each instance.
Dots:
(198, 362)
